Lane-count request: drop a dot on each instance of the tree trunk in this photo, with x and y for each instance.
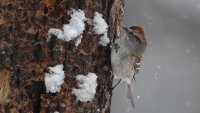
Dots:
(25, 53)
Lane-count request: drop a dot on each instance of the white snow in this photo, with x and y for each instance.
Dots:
(76, 26)
(104, 40)
(156, 76)
(54, 78)
(86, 87)
(158, 67)
(72, 30)
(101, 27)
(138, 97)
(150, 42)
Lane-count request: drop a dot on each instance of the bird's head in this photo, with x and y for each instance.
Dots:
(137, 32)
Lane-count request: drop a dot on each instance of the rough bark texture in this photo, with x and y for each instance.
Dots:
(26, 53)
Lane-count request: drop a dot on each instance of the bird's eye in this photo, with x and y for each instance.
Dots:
(131, 33)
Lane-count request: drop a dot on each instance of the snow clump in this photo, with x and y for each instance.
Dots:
(54, 78)
(101, 27)
(86, 87)
(73, 30)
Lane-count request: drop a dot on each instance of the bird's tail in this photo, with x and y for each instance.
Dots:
(129, 94)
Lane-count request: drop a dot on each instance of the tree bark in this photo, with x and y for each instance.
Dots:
(25, 52)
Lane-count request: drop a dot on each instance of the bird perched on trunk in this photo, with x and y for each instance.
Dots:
(126, 54)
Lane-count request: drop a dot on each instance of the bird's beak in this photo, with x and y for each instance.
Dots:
(126, 29)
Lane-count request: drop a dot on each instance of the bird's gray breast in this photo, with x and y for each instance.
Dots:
(122, 64)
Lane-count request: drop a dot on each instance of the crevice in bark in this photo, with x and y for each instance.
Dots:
(38, 52)
(34, 91)
(52, 43)
(81, 4)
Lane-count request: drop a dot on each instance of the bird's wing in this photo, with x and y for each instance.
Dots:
(137, 63)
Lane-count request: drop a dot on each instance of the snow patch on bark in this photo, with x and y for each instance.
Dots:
(86, 87)
(54, 78)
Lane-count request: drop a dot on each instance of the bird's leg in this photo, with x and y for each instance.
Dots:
(134, 78)
(116, 47)
(116, 84)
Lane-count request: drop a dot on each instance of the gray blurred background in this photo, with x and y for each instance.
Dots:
(169, 80)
